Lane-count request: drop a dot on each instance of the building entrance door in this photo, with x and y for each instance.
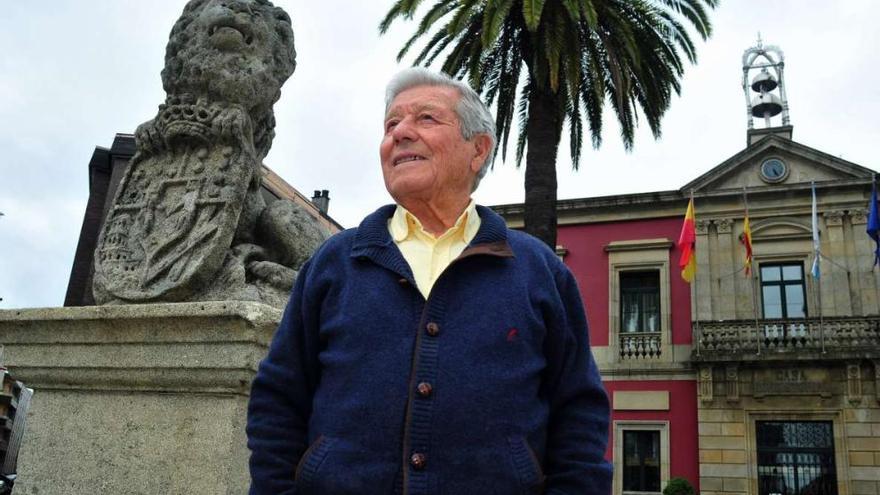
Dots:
(796, 458)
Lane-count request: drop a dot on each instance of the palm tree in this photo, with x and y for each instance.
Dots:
(577, 55)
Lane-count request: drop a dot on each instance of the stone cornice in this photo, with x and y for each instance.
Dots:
(638, 245)
(672, 203)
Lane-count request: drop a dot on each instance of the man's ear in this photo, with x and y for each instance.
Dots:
(482, 146)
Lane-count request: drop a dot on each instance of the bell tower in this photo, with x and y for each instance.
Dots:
(765, 93)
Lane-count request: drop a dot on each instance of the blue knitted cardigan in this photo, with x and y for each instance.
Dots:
(486, 387)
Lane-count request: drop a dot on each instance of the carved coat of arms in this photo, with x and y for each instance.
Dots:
(188, 221)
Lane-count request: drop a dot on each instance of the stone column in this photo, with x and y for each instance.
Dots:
(702, 306)
(743, 288)
(835, 281)
(865, 283)
(136, 399)
(726, 270)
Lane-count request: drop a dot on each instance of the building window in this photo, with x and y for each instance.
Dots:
(641, 456)
(782, 290)
(641, 461)
(639, 312)
(640, 301)
(795, 457)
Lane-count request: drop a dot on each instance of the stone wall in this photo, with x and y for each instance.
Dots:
(136, 399)
(732, 399)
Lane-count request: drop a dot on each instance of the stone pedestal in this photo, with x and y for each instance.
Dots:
(136, 399)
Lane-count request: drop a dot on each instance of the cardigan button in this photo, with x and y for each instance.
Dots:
(433, 329)
(425, 389)
(418, 461)
(402, 281)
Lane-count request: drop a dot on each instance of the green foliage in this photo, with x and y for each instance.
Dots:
(679, 486)
(579, 55)
(588, 52)
(532, 13)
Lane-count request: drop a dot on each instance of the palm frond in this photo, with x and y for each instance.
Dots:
(693, 11)
(523, 113)
(462, 18)
(531, 12)
(433, 48)
(494, 16)
(437, 12)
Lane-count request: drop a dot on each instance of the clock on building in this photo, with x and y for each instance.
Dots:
(773, 170)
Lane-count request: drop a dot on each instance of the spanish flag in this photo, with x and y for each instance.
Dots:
(746, 240)
(687, 243)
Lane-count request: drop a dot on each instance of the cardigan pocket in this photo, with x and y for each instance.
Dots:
(527, 466)
(311, 460)
(336, 466)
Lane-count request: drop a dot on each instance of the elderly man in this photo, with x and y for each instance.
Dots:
(431, 350)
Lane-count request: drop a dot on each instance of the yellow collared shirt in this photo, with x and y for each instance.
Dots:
(427, 255)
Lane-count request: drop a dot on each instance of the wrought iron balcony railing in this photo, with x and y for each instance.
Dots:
(774, 337)
(640, 345)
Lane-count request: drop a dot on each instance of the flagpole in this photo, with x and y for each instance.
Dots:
(821, 318)
(695, 291)
(752, 279)
(816, 270)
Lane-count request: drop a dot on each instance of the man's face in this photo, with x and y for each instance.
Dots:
(423, 153)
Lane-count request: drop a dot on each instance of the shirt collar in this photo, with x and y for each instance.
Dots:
(403, 224)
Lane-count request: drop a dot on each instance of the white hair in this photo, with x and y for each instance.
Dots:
(473, 114)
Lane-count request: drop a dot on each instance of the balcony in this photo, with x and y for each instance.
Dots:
(851, 337)
(639, 345)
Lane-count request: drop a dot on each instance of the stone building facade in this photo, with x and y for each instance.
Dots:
(787, 363)
(743, 384)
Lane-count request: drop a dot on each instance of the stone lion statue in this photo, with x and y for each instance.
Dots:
(188, 221)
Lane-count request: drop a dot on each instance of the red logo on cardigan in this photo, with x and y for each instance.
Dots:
(511, 334)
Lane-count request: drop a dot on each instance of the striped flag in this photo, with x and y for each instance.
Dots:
(687, 243)
(746, 240)
(815, 217)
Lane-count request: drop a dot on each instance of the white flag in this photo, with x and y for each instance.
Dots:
(815, 269)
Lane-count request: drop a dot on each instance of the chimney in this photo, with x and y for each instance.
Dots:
(321, 200)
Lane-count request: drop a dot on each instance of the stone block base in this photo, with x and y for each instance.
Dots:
(136, 399)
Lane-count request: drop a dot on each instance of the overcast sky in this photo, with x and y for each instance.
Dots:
(73, 73)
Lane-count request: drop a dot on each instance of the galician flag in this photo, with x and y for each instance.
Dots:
(687, 243)
(815, 270)
(874, 223)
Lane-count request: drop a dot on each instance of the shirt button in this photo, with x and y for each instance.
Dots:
(425, 389)
(433, 329)
(418, 461)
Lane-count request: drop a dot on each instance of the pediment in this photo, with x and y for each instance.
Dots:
(778, 228)
(802, 164)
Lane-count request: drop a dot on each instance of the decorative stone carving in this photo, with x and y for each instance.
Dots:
(731, 379)
(724, 225)
(793, 381)
(858, 216)
(706, 392)
(854, 383)
(701, 227)
(188, 221)
(833, 218)
(876, 380)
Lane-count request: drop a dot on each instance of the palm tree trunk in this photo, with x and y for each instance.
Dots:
(543, 129)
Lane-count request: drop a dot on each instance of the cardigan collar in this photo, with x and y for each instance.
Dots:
(373, 230)
(372, 239)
